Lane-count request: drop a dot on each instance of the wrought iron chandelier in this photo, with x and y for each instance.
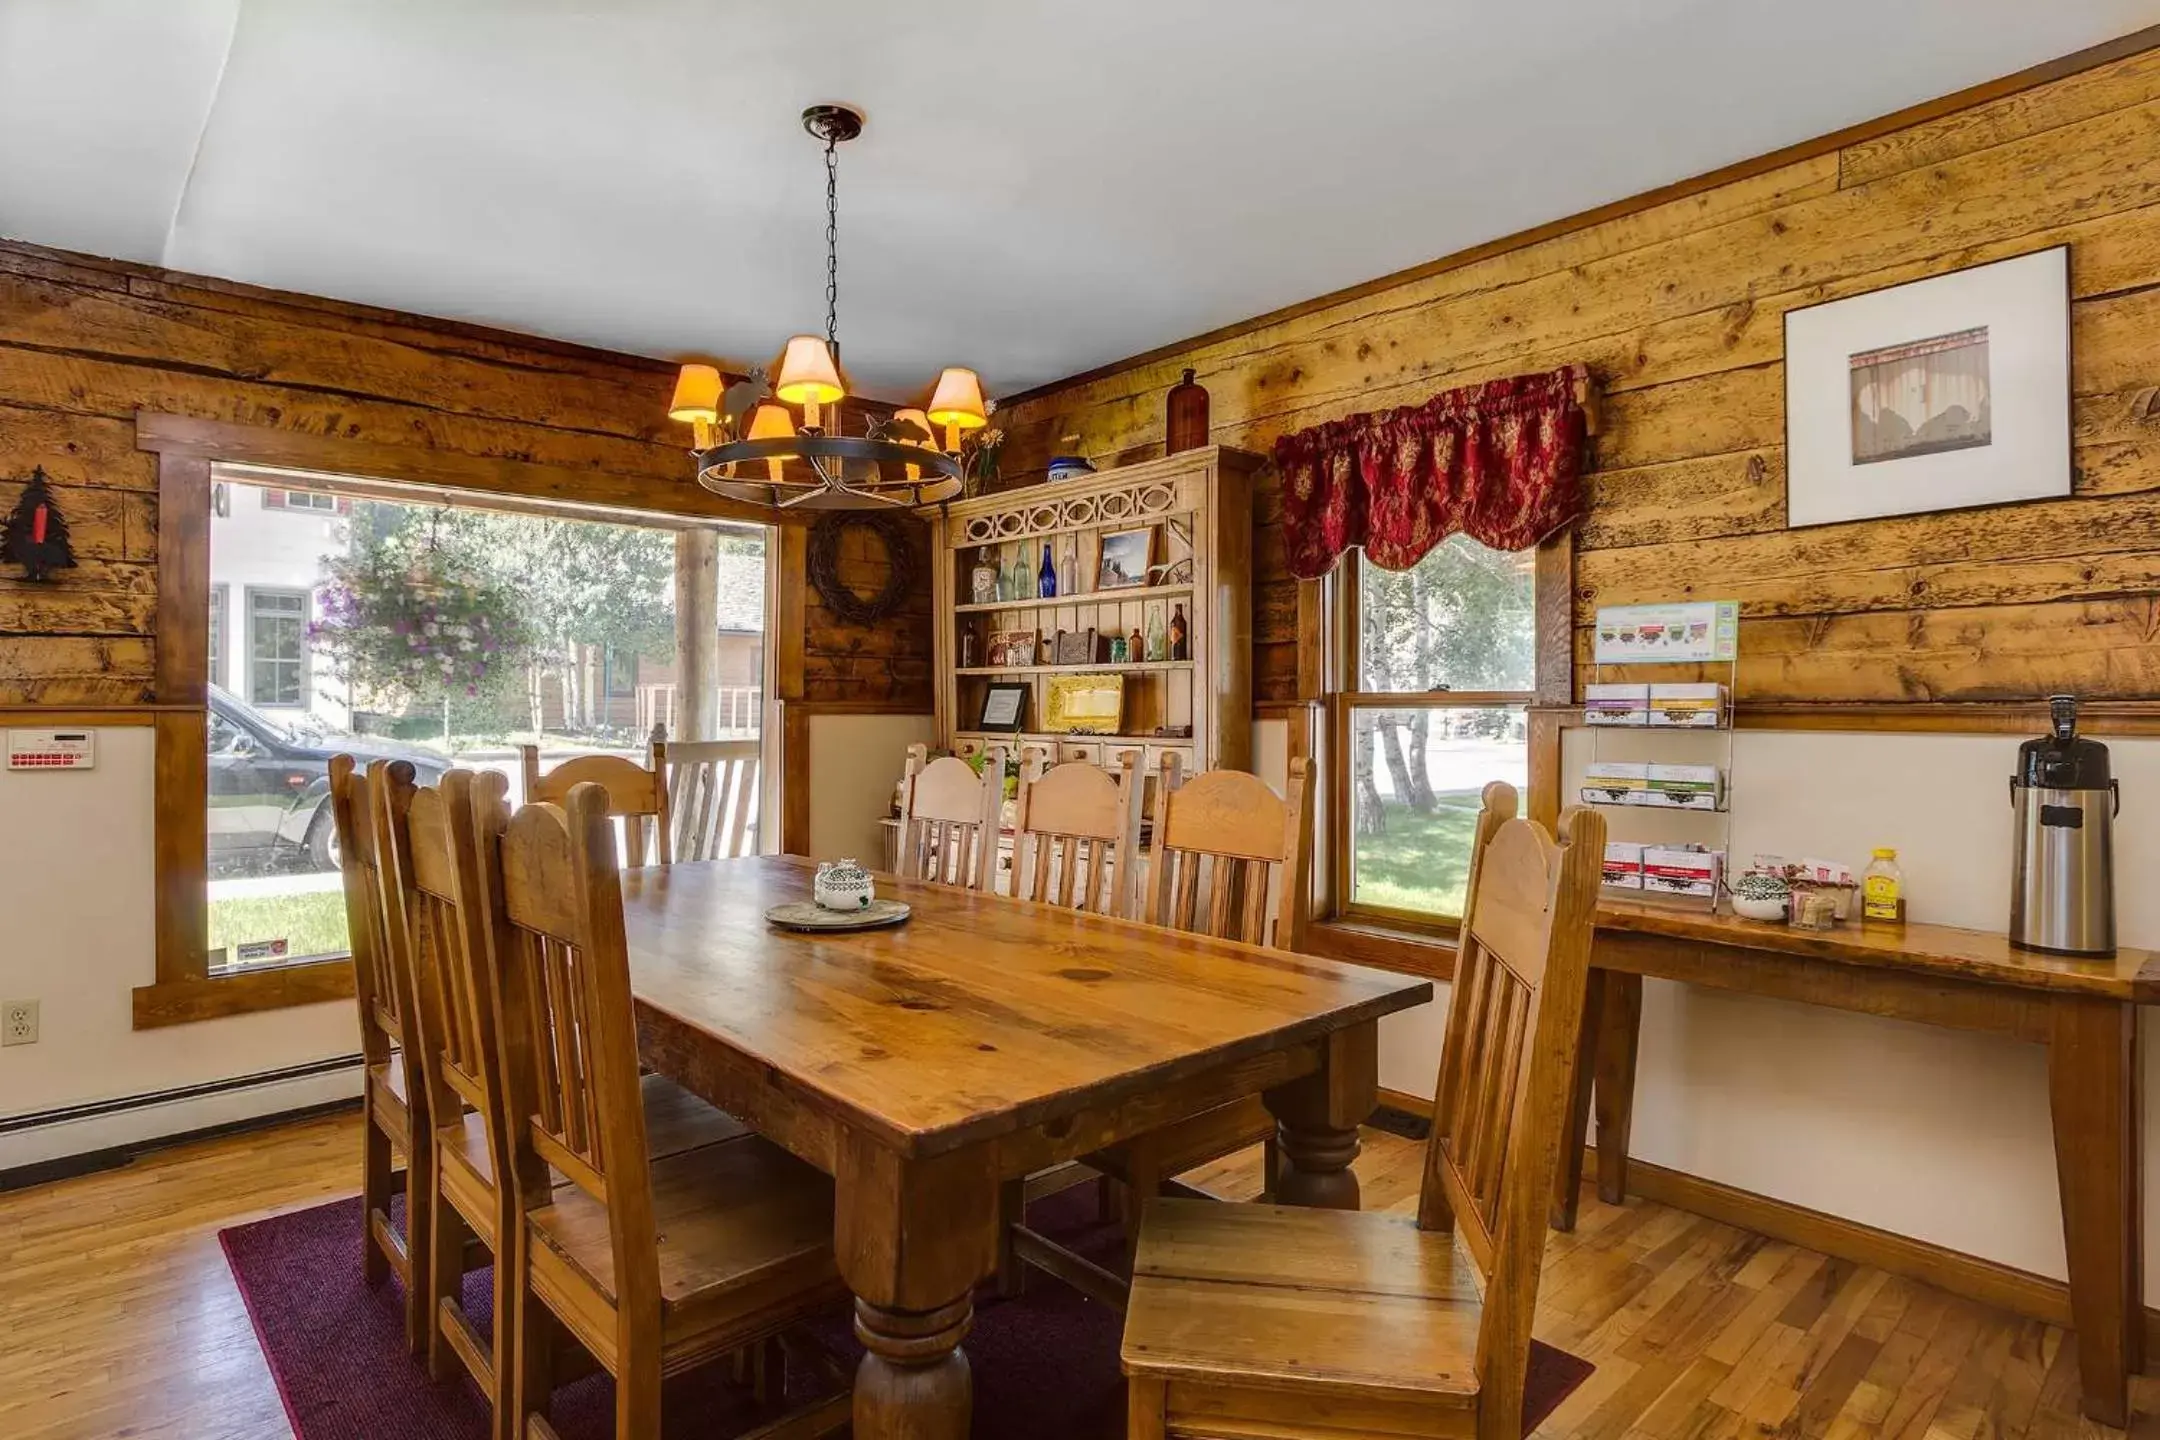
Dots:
(746, 439)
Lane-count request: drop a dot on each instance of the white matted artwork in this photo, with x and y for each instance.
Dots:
(1934, 395)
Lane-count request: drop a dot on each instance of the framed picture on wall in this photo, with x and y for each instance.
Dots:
(1938, 394)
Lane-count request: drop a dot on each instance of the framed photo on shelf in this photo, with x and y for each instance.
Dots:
(1938, 394)
(1125, 558)
(1085, 704)
(1012, 647)
(1004, 706)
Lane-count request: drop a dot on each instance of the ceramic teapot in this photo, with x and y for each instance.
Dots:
(842, 885)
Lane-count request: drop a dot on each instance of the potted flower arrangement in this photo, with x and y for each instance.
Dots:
(418, 633)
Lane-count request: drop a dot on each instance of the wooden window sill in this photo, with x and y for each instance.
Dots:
(1362, 941)
(183, 1002)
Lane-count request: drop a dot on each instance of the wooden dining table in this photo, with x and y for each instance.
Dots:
(925, 1065)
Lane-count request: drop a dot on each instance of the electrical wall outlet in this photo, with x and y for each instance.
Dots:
(18, 1022)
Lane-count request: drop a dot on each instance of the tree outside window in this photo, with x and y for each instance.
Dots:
(1445, 669)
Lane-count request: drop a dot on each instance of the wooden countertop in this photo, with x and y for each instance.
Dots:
(1944, 951)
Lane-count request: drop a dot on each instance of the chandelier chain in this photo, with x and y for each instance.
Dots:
(832, 244)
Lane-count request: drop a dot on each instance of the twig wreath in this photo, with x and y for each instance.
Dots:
(823, 565)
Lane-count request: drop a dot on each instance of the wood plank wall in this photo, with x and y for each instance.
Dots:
(1678, 309)
(85, 343)
(887, 663)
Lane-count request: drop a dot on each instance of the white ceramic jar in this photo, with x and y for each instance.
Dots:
(842, 885)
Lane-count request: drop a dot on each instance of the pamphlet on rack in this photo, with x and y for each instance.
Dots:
(1706, 630)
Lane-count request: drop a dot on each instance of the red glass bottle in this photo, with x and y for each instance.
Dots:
(1187, 416)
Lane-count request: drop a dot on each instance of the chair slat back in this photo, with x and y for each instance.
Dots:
(1230, 857)
(635, 794)
(1507, 1069)
(1076, 835)
(568, 1036)
(438, 925)
(712, 795)
(949, 818)
(381, 997)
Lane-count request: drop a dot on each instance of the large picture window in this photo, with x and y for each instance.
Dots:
(438, 634)
(1443, 662)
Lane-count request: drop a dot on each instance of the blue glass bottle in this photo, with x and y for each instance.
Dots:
(1046, 578)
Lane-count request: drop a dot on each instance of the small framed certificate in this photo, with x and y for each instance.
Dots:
(1004, 706)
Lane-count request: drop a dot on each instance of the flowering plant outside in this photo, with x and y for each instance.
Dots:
(427, 630)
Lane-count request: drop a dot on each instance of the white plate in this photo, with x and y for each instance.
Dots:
(808, 915)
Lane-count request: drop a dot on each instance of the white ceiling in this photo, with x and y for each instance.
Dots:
(1042, 188)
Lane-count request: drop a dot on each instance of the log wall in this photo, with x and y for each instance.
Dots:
(1678, 309)
(86, 343)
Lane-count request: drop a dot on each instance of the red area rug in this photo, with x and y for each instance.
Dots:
(1045, 1365)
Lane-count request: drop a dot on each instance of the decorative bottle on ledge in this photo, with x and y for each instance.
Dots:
(1187, 416)
(1046, 584)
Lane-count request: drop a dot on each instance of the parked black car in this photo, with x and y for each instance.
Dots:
(270, 787)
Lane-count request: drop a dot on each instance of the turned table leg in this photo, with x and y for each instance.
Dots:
(2093, 1086)
(913, 1236)
(913, 1380)
(1317, 1119)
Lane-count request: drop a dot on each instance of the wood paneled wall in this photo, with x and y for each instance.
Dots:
(86, 344)
(888, 662)
(1678, 308)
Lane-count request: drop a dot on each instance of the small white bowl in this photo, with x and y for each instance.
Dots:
(1759, 909)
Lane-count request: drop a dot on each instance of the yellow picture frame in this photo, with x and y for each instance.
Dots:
(1084, 705)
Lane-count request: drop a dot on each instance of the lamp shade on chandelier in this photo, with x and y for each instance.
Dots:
(779, 464)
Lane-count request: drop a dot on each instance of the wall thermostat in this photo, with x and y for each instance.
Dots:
(52, 749)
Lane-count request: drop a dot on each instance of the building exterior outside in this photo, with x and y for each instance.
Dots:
(266, 552)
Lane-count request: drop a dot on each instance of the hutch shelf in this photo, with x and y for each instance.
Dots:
(1193, 701)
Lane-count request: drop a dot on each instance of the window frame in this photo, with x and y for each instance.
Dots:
(250, 595)
(182, 991)
(219, 634)
(1340, 617)
(283, 500)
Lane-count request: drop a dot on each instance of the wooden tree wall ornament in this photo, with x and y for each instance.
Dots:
(34, 535)
(823, 565)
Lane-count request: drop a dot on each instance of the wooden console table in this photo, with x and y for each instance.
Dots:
(2084, 1011)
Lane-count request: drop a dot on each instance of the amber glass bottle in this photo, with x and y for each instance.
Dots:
(1187, 418)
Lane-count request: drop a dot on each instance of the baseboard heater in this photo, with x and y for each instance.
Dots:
(115, 1156)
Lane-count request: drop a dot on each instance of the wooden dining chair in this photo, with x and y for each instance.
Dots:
(949, 818)
(436, 917)
(1231, 859)
(393, 1106)
(635, 794)
(1076, 836)
(712, 794)
(431, 934)
(653, 1266)
(1325, 1323)
(1076, 843)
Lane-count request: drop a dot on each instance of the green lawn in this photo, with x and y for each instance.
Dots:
(1418, 862)
(312, 922)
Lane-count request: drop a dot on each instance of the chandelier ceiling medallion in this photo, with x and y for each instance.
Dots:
(746, 439)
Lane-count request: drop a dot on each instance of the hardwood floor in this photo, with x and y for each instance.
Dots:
(118, 1316)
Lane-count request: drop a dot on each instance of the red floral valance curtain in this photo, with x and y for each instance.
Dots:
(1501, 462)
